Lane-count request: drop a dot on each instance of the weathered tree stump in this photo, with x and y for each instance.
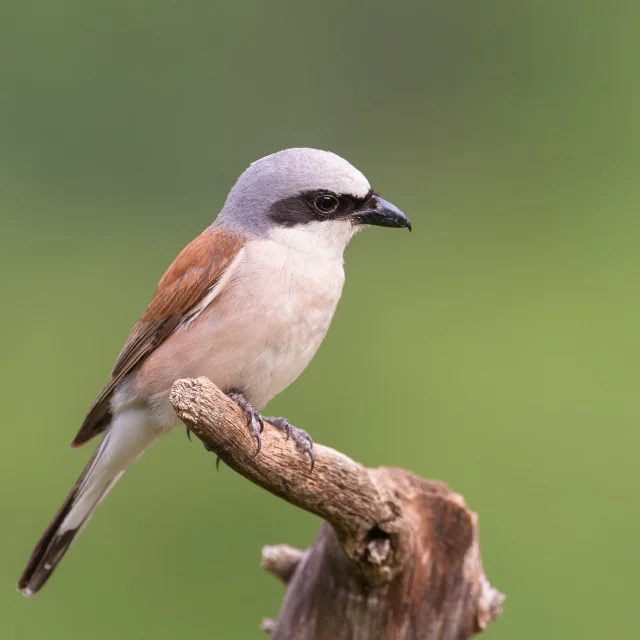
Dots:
(397, 558)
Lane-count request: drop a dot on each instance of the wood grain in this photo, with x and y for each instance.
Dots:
(397, 558)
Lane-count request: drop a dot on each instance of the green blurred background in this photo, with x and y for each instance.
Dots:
(495, 348)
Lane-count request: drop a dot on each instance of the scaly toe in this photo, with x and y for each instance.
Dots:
(303, 440)
(255, 421)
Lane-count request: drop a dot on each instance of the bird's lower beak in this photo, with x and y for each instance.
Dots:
(381, 213)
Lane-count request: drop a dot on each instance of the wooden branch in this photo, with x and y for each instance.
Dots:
(281, 560)
(398, 557)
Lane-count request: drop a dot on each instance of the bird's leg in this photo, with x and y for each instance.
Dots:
(302, 439)
(254, 419)
(255, 422)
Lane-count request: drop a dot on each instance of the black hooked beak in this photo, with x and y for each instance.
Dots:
(381, 213)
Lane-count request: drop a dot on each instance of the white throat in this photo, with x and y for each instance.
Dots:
(326, 239)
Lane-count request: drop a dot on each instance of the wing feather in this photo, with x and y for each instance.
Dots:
(184, 286)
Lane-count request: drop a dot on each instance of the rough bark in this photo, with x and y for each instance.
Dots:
(397, 558)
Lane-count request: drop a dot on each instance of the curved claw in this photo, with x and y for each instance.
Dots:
(256, 425)
(188, 434)
(302, 439)
(312, 457)
(306, 446)
(259, 439)
(255, 422)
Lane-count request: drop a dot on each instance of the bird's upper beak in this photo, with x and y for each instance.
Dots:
(381, 213)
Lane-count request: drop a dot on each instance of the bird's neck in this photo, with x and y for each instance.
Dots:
(326, 239)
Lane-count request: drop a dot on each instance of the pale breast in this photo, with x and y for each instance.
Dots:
(260, 332)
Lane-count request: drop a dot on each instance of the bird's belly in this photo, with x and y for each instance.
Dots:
(280, 355)
(256, 338)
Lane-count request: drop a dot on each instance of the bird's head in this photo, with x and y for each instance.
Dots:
(306, 193)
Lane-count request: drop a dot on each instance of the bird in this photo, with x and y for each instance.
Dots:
(247, 304)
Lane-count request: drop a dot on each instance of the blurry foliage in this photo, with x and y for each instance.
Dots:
(495, 348)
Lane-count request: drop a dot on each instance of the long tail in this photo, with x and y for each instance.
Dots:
(129, 436)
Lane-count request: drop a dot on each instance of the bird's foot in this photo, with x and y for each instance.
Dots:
(255, 421)
(303, 440)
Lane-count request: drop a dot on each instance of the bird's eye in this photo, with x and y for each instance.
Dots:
(326, 203)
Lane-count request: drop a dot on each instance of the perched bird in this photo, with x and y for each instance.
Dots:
(247, 304)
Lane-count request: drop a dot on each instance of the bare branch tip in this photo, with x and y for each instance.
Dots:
(268, 625)
(489, 604)
(281, 560)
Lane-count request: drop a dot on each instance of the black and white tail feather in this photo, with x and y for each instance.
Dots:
(118, 449)
(57, 538)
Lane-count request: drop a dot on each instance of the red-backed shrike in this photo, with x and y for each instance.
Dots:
(246, 304)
